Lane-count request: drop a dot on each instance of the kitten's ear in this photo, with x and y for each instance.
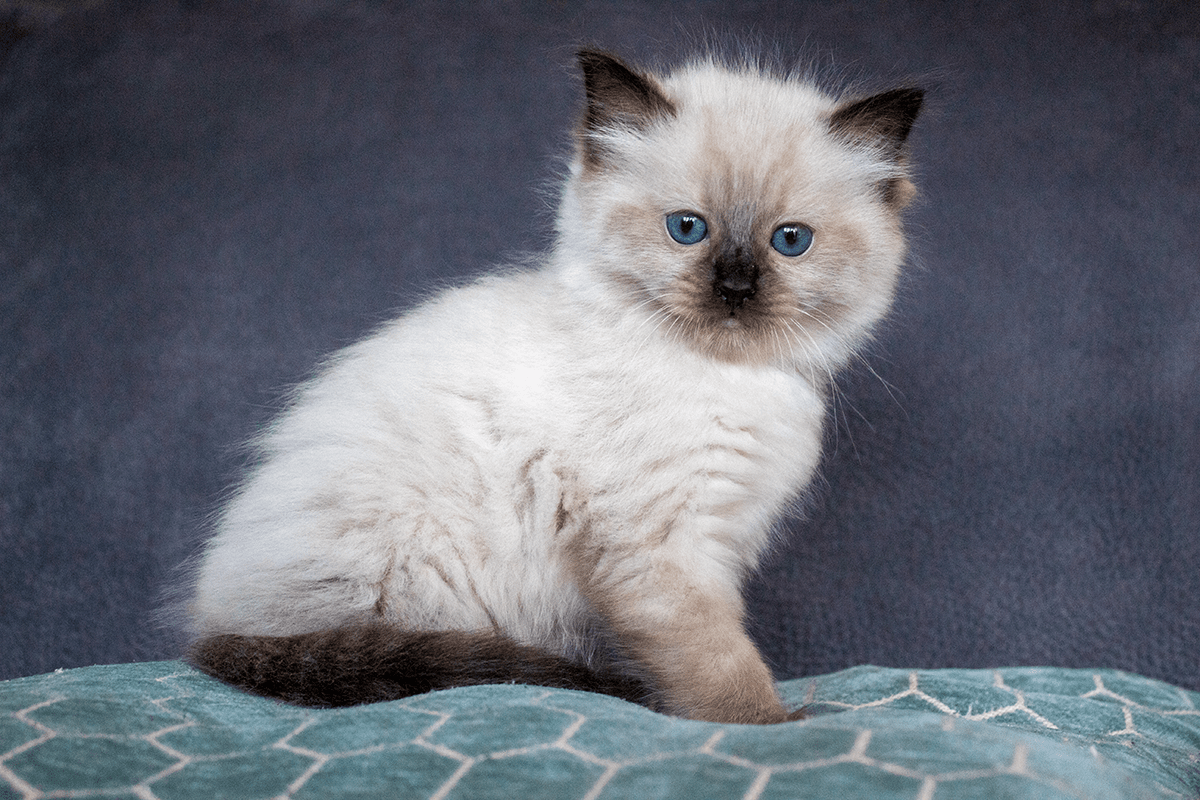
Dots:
(883, 119)
(616, 97)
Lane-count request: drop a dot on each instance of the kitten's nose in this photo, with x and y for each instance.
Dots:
(735, 282)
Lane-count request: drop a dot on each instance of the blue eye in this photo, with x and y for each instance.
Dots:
(686, 228)
(792, 240)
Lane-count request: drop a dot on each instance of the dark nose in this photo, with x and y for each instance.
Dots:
(735, 280)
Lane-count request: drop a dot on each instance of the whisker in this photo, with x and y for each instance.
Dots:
(887, 387)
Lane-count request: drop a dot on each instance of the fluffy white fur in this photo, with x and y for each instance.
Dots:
(586, 449)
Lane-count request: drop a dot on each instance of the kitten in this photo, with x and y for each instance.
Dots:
(562, 476)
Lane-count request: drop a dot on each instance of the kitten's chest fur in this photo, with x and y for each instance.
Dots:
(688, 441)
(615, 451)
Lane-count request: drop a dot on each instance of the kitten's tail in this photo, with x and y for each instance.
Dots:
(376, 662)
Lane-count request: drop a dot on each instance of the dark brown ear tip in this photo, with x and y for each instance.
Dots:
(886, 118)
(590, 55)
(914, 96)
(905, 101)
(595, 60)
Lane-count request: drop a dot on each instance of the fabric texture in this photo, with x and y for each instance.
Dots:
(163, 730)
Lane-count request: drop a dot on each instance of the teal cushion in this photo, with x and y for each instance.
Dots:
(163, 730)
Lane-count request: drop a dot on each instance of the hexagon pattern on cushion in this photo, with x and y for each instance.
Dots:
(163, 730)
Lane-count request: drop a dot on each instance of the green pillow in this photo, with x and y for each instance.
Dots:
(163, 730)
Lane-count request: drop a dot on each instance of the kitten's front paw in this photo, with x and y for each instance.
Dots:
(761, 713)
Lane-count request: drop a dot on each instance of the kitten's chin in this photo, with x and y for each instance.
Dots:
(737, 339)
(760, 338)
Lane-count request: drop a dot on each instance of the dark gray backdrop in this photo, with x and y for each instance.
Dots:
(199, 199)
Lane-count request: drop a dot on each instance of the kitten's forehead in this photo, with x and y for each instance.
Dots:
(740, 137)
(748, 94)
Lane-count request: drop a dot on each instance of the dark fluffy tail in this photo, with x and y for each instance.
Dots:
(372, 663)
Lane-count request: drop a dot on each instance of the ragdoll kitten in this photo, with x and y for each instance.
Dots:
(563, 476)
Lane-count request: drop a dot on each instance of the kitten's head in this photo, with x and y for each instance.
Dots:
(750, 216)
